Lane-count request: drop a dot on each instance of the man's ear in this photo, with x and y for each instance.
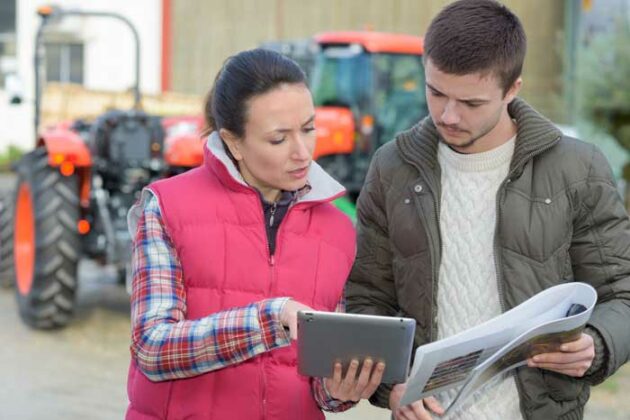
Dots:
(232, 142)
(514, 90)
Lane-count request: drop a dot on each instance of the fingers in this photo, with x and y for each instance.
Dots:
(337, 373)
(363, 379)
(394, 397)
(289, 318)
(584, 342)
(352, 387)
(562, 358)
(434, 405)
(414, 411)
(575, 359)
(375, 380)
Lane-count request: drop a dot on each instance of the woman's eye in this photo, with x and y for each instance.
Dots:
(275, 142)
(309, 129)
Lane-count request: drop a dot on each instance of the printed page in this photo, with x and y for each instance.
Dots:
(453, 361)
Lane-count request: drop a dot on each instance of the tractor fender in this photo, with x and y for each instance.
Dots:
(184, 150)
(335, 131)
(63, 145)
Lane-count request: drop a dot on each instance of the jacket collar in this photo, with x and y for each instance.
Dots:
(418, 146)
(322, 186)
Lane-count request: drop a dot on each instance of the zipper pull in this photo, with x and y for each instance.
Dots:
(272, 213)
(272, 260)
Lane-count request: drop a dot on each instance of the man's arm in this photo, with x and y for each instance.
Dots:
(370, 288)
(600, 254)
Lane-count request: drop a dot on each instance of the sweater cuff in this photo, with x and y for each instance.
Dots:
(273, 333)
(596, 372)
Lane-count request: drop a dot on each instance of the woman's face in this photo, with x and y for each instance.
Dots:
(277, 148)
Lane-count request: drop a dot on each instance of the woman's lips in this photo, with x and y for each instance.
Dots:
(299, 173)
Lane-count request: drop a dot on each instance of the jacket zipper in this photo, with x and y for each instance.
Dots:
(436, 277)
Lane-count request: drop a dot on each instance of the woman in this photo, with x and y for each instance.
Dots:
(227, 253)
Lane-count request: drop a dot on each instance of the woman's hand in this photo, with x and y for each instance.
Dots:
(351, 387)
(288, 316)
(419, 410)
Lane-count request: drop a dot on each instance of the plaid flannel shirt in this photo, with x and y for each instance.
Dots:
(167, 346)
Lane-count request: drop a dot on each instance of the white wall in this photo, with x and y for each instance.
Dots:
(108, 55)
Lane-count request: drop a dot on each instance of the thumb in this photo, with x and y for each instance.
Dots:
(293, 328)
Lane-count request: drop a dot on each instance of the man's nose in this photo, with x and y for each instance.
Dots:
(449, 114)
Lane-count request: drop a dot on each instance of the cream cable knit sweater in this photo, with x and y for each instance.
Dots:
(467, 290)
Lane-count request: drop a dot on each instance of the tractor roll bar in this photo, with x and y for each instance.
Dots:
(52, 13)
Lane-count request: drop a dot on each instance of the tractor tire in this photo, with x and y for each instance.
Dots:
(47, 242)
(7, 275)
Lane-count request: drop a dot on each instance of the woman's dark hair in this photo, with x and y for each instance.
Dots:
(477, 36)
(243, 76)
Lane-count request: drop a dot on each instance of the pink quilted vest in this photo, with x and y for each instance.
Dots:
(216, 223)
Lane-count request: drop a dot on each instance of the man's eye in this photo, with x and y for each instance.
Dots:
(309, 129)
(434, 93)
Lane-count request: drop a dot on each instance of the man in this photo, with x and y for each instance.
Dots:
(484, 204)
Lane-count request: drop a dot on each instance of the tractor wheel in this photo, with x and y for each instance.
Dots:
(7, 275)
(47, 244)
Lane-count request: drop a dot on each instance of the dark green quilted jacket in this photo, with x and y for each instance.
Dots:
(559, 219)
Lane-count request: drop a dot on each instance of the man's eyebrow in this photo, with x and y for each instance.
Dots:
(468, 100)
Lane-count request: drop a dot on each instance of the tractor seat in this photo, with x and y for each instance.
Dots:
(127, 138)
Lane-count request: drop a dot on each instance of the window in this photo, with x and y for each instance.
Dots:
(7, 38)
(64, 62)
(7, 16)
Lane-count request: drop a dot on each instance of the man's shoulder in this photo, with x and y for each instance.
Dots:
(574, 156)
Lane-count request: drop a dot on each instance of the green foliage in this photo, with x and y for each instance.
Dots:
(603, 82)
(11, 154)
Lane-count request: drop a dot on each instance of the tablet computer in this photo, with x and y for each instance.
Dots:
(327, 337)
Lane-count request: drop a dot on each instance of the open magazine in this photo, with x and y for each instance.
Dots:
(471, 358)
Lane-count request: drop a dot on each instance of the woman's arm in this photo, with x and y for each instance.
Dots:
(164, 344)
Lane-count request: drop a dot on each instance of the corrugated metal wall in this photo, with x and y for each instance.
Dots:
(206, 32)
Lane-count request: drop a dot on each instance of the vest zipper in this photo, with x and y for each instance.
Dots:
(272, 214)
(272, 261)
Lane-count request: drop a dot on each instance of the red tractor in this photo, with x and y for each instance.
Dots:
(75, 188)
(367, 86)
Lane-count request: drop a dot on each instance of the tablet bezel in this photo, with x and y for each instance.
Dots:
(325, 337)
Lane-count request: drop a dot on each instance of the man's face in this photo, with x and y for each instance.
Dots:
(469, 111)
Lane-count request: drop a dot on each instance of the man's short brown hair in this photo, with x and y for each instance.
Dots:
(477, 36)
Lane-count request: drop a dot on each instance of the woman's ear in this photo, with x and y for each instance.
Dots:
(232, 142)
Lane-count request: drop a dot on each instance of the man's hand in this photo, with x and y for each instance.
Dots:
(573, 359)
(419, 410)
(351, 387)
(288, 316)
